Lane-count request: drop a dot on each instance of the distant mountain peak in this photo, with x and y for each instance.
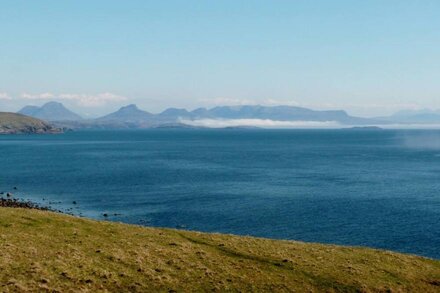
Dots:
(174, 111)
(51, 111)
(128, 114)
(130, 107)
(52, 103)
(29, 110)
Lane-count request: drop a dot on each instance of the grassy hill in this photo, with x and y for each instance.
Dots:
(42, 251)
(12, 123)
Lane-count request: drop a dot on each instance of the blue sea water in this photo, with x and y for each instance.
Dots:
(353, 187)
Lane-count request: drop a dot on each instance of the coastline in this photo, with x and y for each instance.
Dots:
(16, 202)
(24, 204)
(42, 250)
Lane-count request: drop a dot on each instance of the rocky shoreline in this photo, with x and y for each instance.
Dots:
(18, 203)
(12, 123)
(8, 200)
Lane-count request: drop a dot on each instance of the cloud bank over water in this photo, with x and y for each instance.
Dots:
(276, 124)
(262, 123)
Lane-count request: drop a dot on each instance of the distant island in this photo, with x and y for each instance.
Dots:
(12, 123)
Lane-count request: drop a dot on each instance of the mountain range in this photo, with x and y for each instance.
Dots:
(132, 117)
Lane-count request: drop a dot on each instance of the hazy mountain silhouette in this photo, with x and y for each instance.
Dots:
(51, 111)
(279, 113)
(424, 116)
(132, 117)
(128, 114)
(174, 114)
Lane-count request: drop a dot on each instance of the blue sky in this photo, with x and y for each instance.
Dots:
(368, 57)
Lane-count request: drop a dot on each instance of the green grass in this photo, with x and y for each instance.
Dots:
(45, 251)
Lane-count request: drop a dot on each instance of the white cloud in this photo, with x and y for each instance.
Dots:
(221, 101)
(263, 123)
(228, 102)
(275, 124)
(275, 102)
(5, 96)
(43, 96)
(84, 100)
(93, 100)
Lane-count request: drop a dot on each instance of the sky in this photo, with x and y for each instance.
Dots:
(370, 57)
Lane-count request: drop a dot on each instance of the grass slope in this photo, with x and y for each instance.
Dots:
(12, 123)
(47, 251)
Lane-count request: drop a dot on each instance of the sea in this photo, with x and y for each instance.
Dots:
(357, 187)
